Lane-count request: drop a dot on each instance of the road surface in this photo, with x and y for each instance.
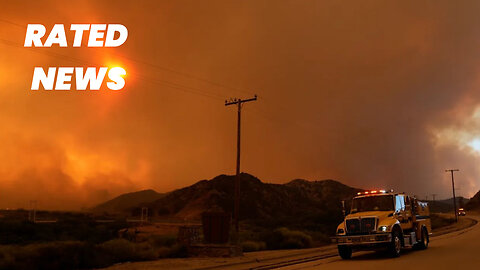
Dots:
(450, 251)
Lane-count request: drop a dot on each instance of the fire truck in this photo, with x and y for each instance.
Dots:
(385, 220)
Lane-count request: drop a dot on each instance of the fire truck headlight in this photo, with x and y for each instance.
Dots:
(340, 231)
(383, 228)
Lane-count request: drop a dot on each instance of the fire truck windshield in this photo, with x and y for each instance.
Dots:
(372, 203)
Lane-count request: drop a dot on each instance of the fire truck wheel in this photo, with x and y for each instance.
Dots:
(345, 252)
(396, 245)
(424, 241)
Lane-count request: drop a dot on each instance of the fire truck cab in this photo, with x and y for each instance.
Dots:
(382, 219)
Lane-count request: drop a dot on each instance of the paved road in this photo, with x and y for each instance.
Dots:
(451, 251)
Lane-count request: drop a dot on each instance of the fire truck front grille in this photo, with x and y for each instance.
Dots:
(353, 226)
(368, 225)
(360, 226)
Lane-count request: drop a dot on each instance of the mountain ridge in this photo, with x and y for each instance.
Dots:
(262, 203)
(127, 202)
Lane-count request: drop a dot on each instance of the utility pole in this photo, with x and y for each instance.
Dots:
(236, 207)
(453, 188)
(32, 214)
(433, 202)
(144, 216)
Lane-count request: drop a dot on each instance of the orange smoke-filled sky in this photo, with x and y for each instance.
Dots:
(374, 94)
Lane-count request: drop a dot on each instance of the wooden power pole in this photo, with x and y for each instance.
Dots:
(453, 188)
(433, 202)
(236, 207)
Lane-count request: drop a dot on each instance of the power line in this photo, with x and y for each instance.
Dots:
(12, 23)
(185, 74)
(153, 80)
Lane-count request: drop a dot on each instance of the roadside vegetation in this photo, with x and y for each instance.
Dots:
(439, 221)
(82, 254)
(75, 241)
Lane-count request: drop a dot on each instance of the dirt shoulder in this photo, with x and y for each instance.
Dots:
(463, 223)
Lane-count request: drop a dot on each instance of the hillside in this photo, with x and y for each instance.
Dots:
(297, 203)
(446, 206)
(474, 203)
(127, 202)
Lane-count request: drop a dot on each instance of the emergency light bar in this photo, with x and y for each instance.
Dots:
(372, 192)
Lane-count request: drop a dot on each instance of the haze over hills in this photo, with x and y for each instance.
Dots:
(127, 202)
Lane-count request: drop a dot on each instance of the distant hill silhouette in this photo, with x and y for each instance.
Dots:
(125, 203)
(306, 203)
(474, 203)
(446, 206)
(314, 205)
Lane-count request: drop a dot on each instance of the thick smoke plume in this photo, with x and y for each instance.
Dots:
(375, 94)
